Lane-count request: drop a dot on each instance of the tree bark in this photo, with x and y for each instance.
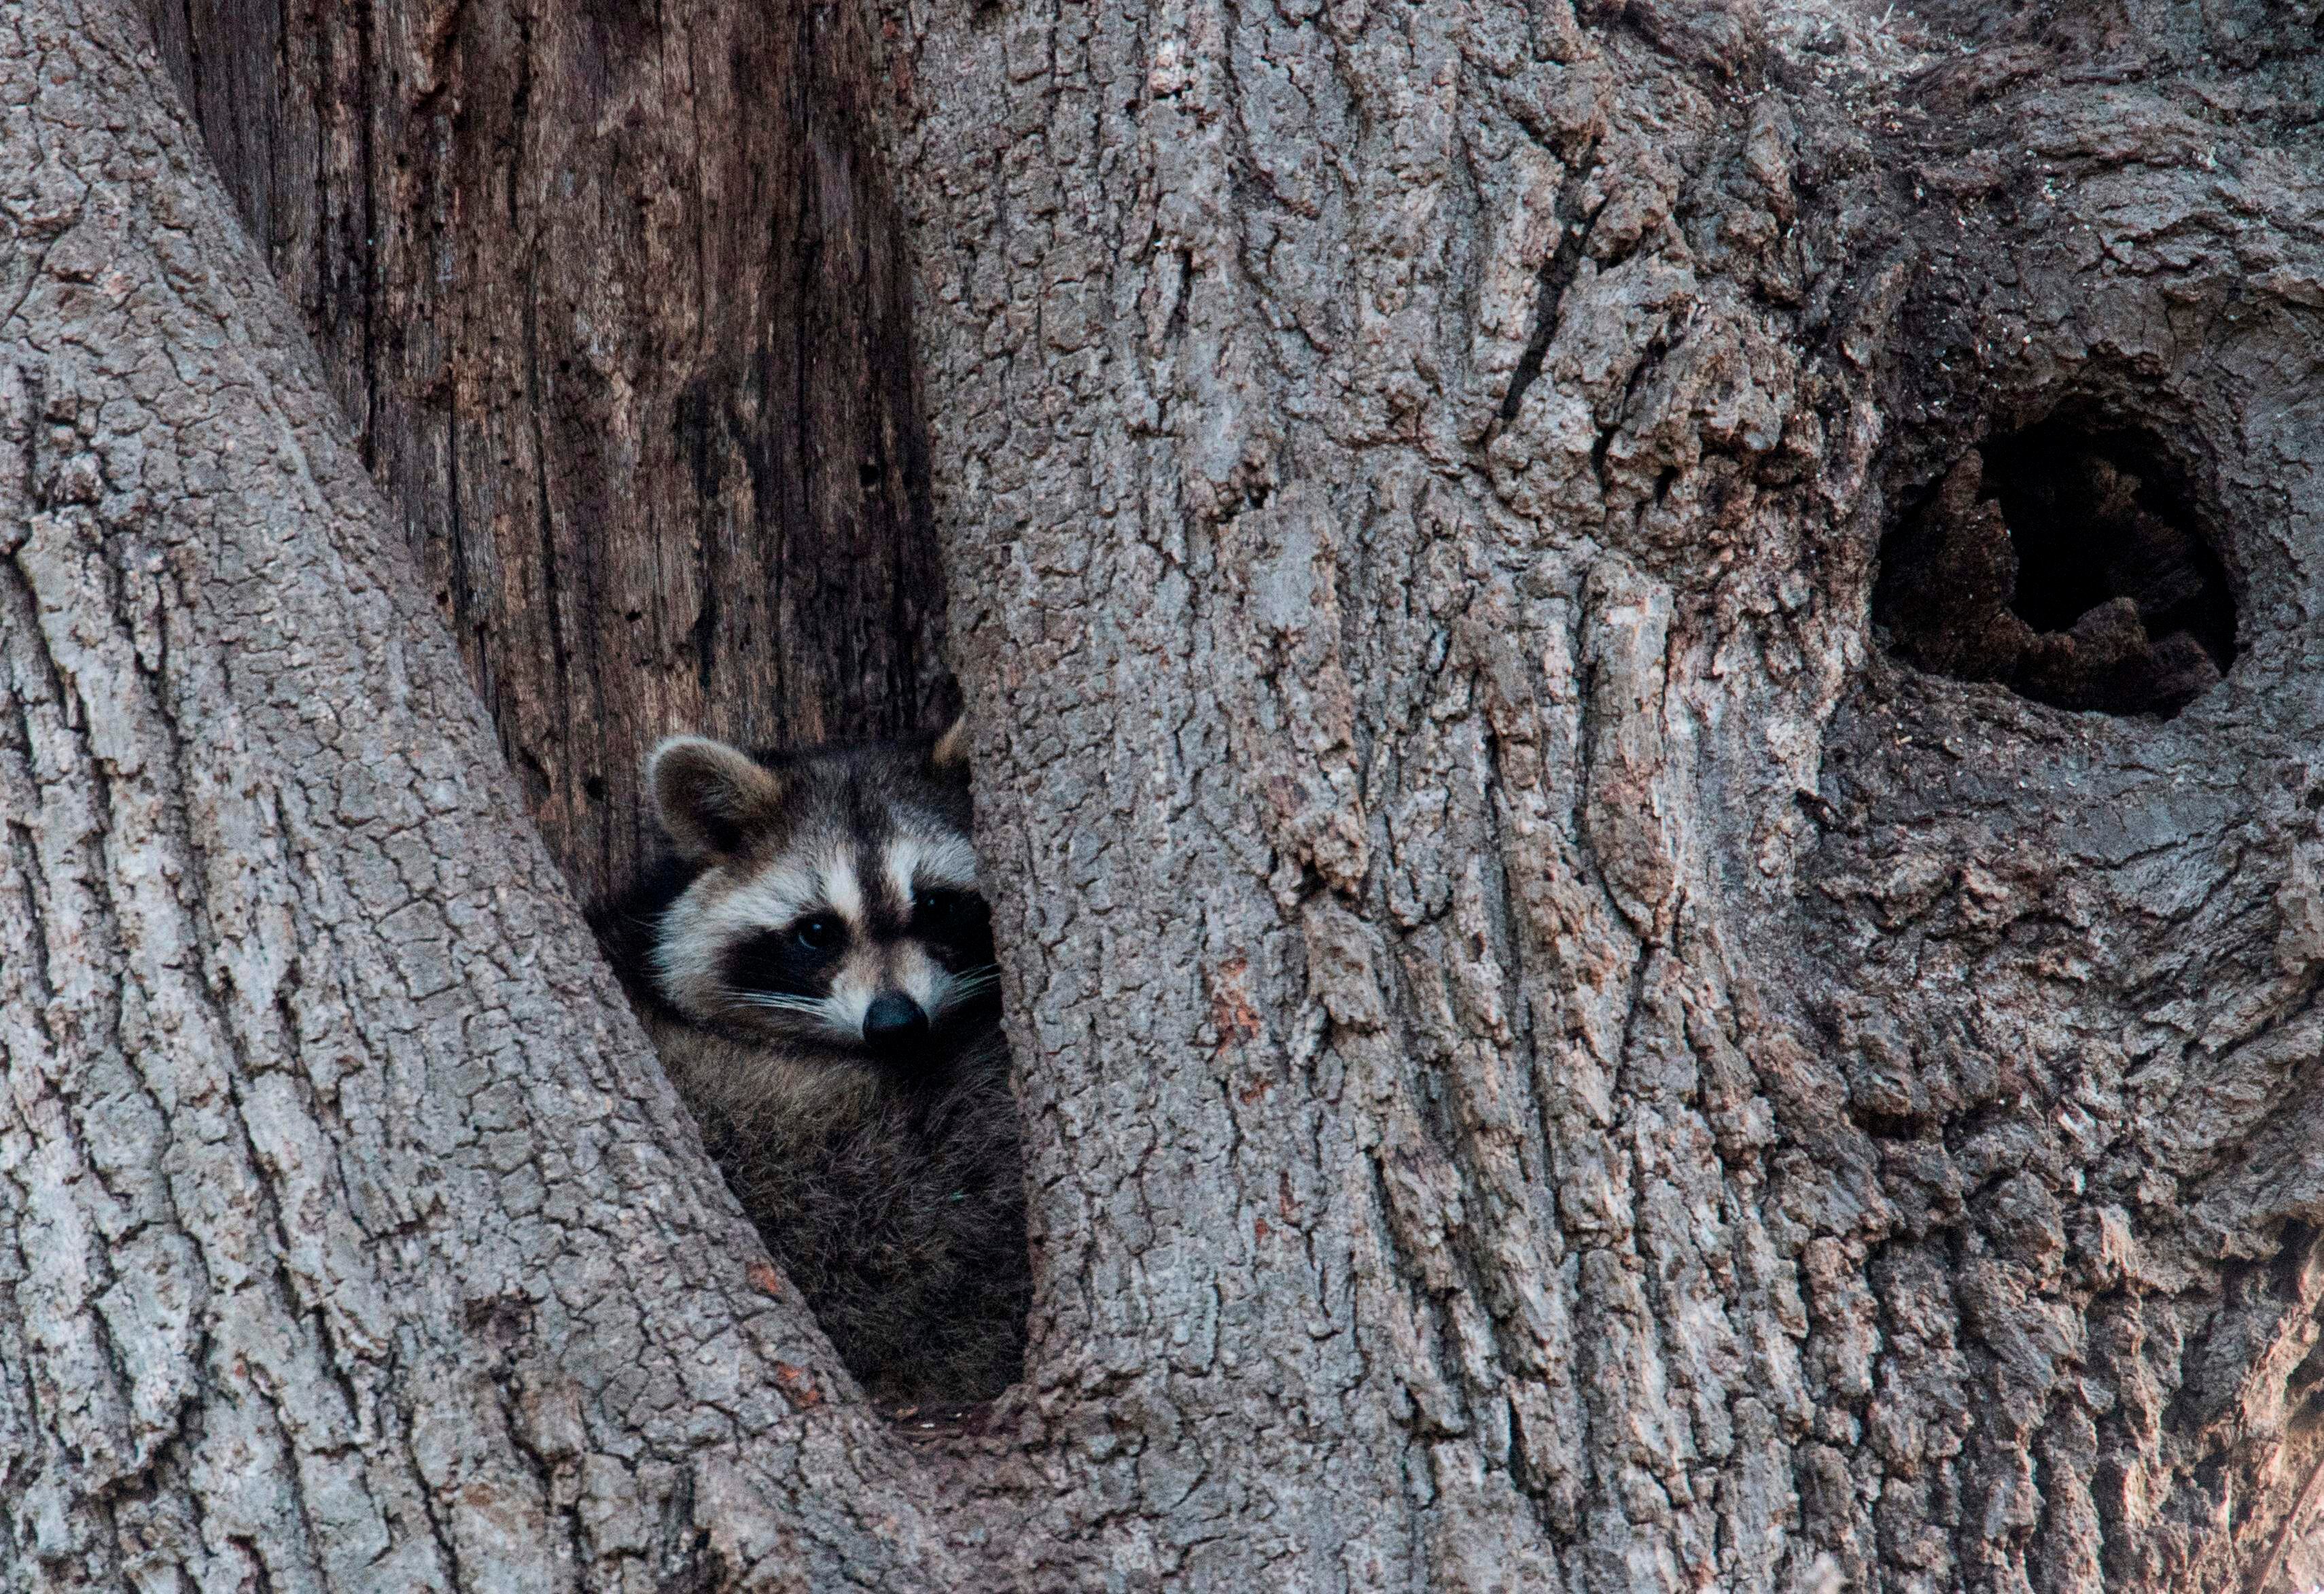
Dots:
(1551, 1060)
(1554, 1062)
(348, 1236)
(615, 299)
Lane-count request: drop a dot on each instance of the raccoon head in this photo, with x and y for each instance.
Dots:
(833, 904)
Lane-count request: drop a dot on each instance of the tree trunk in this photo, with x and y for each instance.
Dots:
(1554, 1062)
(348, 1237)
(1551, 1059)
(616, 302)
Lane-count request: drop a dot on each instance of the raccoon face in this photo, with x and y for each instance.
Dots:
(835, 908)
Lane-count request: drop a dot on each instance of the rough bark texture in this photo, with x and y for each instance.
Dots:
(1552, 1062)
(349, 1237)
(615, 300)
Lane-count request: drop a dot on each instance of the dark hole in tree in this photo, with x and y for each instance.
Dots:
(2067, 562)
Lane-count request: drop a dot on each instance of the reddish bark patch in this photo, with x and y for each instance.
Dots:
(1231, 1014)
(796, 1385)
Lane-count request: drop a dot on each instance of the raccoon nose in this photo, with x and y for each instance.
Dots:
(894, 1024)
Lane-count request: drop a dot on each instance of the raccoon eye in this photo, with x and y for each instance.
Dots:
(814, 934)
(941, 911)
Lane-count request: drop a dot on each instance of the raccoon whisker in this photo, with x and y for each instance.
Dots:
(817, 1009)
(963, 989)
(777, 1003)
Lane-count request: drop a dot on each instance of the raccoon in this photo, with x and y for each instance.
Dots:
(815, 965)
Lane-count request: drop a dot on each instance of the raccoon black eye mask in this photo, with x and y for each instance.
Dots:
(831, 903)
(815, 965)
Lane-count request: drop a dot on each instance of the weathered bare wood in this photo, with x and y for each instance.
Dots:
(614, 296)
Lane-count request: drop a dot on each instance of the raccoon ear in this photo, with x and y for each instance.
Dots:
(948, 758)
(708, 794)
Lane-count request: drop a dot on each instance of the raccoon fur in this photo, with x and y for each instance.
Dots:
(815, 967)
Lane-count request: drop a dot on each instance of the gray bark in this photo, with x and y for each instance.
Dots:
(1554, 1062)
(349, 1238)
(1550, 1061)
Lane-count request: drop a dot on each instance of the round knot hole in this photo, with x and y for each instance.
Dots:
(2067, 562)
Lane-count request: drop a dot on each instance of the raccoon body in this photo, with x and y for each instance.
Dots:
(815, 968)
